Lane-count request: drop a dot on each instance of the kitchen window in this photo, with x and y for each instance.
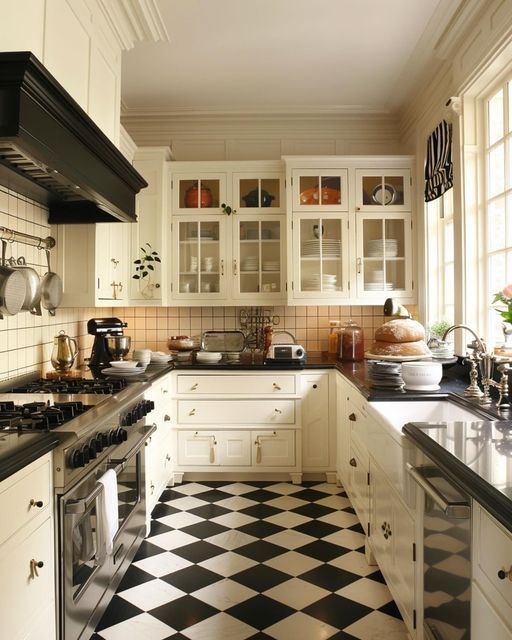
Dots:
(497, 253)
(440, 259)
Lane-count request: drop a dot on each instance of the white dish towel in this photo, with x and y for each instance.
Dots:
(109, 511)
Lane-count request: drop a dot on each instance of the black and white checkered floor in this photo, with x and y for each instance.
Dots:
(252, 561)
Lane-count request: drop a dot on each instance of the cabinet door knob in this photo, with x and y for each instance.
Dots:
(168, 457)
(502, 574)
(167, 418)
(315, 386)
(352, 462)
(36, 503)
(235, 268)
(352, 417)
(34, 566)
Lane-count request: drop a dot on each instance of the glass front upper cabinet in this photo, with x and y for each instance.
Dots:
(322, 189)
(321, 270)
(198, 258)
(384, 255)
(378, 190)
(258, 263)
(198, 193)
(258, 192)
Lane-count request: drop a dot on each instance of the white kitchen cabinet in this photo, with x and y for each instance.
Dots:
(228, 232)
(491, 572)
(244, 423)
(318, 424)
(485, 620)
(93, 262)
(27, 555)
(351, 220)
(152, 227)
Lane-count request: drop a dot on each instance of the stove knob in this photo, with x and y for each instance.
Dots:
(123, 435)
(128, 419)
(105, 439)
(99, 442)
(76, 459)
(135, 416)
(140, 410)
(151, 404)
(114, 437)
(86, 454)
(93, 449)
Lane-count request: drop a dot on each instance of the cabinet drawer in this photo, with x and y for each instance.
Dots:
(493, 555)
(30, 484)
(239, 384)
(25, 598)
(273, 448)
(240, 412)
(485, 622)
(213, 448)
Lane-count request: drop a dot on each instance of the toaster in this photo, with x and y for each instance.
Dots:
(286, 352)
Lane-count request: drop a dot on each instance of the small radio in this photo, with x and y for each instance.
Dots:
(286, 352)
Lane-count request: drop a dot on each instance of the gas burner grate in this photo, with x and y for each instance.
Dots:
(75, 385)
(38, 416)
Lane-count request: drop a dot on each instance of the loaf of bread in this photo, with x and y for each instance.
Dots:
(401, 330)
(398, 349)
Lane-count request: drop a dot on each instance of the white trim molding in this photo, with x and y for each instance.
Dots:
(134, 21)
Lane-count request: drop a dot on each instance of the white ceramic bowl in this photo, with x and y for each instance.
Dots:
(124, 364)
(142, 355)
(422, 375)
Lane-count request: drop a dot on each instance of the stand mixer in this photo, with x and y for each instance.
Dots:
(110, 343)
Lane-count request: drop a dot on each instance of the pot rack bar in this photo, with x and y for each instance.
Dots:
(17, 236)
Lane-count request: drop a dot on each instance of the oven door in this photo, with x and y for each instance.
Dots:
(88, 576)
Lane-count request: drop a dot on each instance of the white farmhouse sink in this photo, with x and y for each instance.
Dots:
(396, 414)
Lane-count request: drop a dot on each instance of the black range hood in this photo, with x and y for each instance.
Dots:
(51, 151)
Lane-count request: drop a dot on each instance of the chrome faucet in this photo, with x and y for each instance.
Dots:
(479, 355)
(486, 364)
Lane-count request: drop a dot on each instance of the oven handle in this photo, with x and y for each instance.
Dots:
(459, 510)
(77, 507)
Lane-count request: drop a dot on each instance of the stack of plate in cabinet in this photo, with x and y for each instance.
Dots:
(327, 282)
(382, 248)
(330, 248)
(250, 263)
(384, 375)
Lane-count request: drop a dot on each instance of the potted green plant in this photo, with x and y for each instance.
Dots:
(438, 329)
(144, 268)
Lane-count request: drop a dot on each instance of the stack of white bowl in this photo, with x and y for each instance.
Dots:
(143, 356)
(159, 358)
(207, 263)
(378, 283)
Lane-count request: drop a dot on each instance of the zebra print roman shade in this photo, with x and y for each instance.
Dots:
(438, 164)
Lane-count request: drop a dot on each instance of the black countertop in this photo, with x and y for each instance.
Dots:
(17, 450)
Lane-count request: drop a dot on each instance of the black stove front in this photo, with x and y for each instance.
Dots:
(38, 416)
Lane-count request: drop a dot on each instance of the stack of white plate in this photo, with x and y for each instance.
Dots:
(123, 372)
(207, 357)
(379, 286)
(382, 248)
(271, 265)
(160, 358)
(330, 248)
(326, 282)
(250, 263)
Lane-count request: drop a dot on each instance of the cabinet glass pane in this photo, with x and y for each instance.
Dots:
(320, 190)
(199, 194)
(257, 193)
(383, 190)
(384, 255)
(320, 255)
(199, 255)
(260, 256)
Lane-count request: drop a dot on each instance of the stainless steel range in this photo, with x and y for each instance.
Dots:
(104, 428)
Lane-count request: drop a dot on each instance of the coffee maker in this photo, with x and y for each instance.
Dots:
(102, 328)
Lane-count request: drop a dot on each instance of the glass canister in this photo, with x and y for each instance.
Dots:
(351, 342)
(332, 345)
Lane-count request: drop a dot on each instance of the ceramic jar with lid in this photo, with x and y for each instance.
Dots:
(351, 343)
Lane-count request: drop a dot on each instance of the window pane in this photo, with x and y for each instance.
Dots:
(496, 229)
(509, 87)
(495, 113)
(497, 274)
(448, 242)
(496, 171)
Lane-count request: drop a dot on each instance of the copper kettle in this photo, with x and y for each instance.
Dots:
(64, 353)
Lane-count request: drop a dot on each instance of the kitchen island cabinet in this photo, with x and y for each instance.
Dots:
(27, 556)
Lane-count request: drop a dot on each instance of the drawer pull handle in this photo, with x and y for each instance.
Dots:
(194, 386)
(34, 566)
(276, 386)
(502, 574)
(167, 418)
(278, 411)
(257, 443)
(168, 457)
(192, 412)
(152, 487)
(36, 503)
(352, 462)
(352, 417)
(165, 390)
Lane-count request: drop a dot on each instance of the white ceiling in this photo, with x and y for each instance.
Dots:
(278, 56)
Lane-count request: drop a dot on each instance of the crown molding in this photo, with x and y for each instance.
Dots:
(134, 21)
